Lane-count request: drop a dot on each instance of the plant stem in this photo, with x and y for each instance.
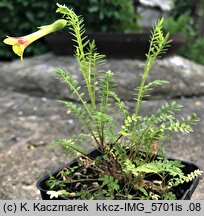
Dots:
(141, 88)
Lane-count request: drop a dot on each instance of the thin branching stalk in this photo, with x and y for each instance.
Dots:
(158, 44)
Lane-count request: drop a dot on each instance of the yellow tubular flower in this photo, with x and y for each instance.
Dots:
(20, 43)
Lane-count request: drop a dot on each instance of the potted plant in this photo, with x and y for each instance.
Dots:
(128, 161)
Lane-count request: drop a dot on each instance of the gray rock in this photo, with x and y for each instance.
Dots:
(149, 16)
(151, 10)
(35, 76)
(165, 5)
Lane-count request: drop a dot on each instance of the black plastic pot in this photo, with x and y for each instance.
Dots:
(113, 45)
(186, 189)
